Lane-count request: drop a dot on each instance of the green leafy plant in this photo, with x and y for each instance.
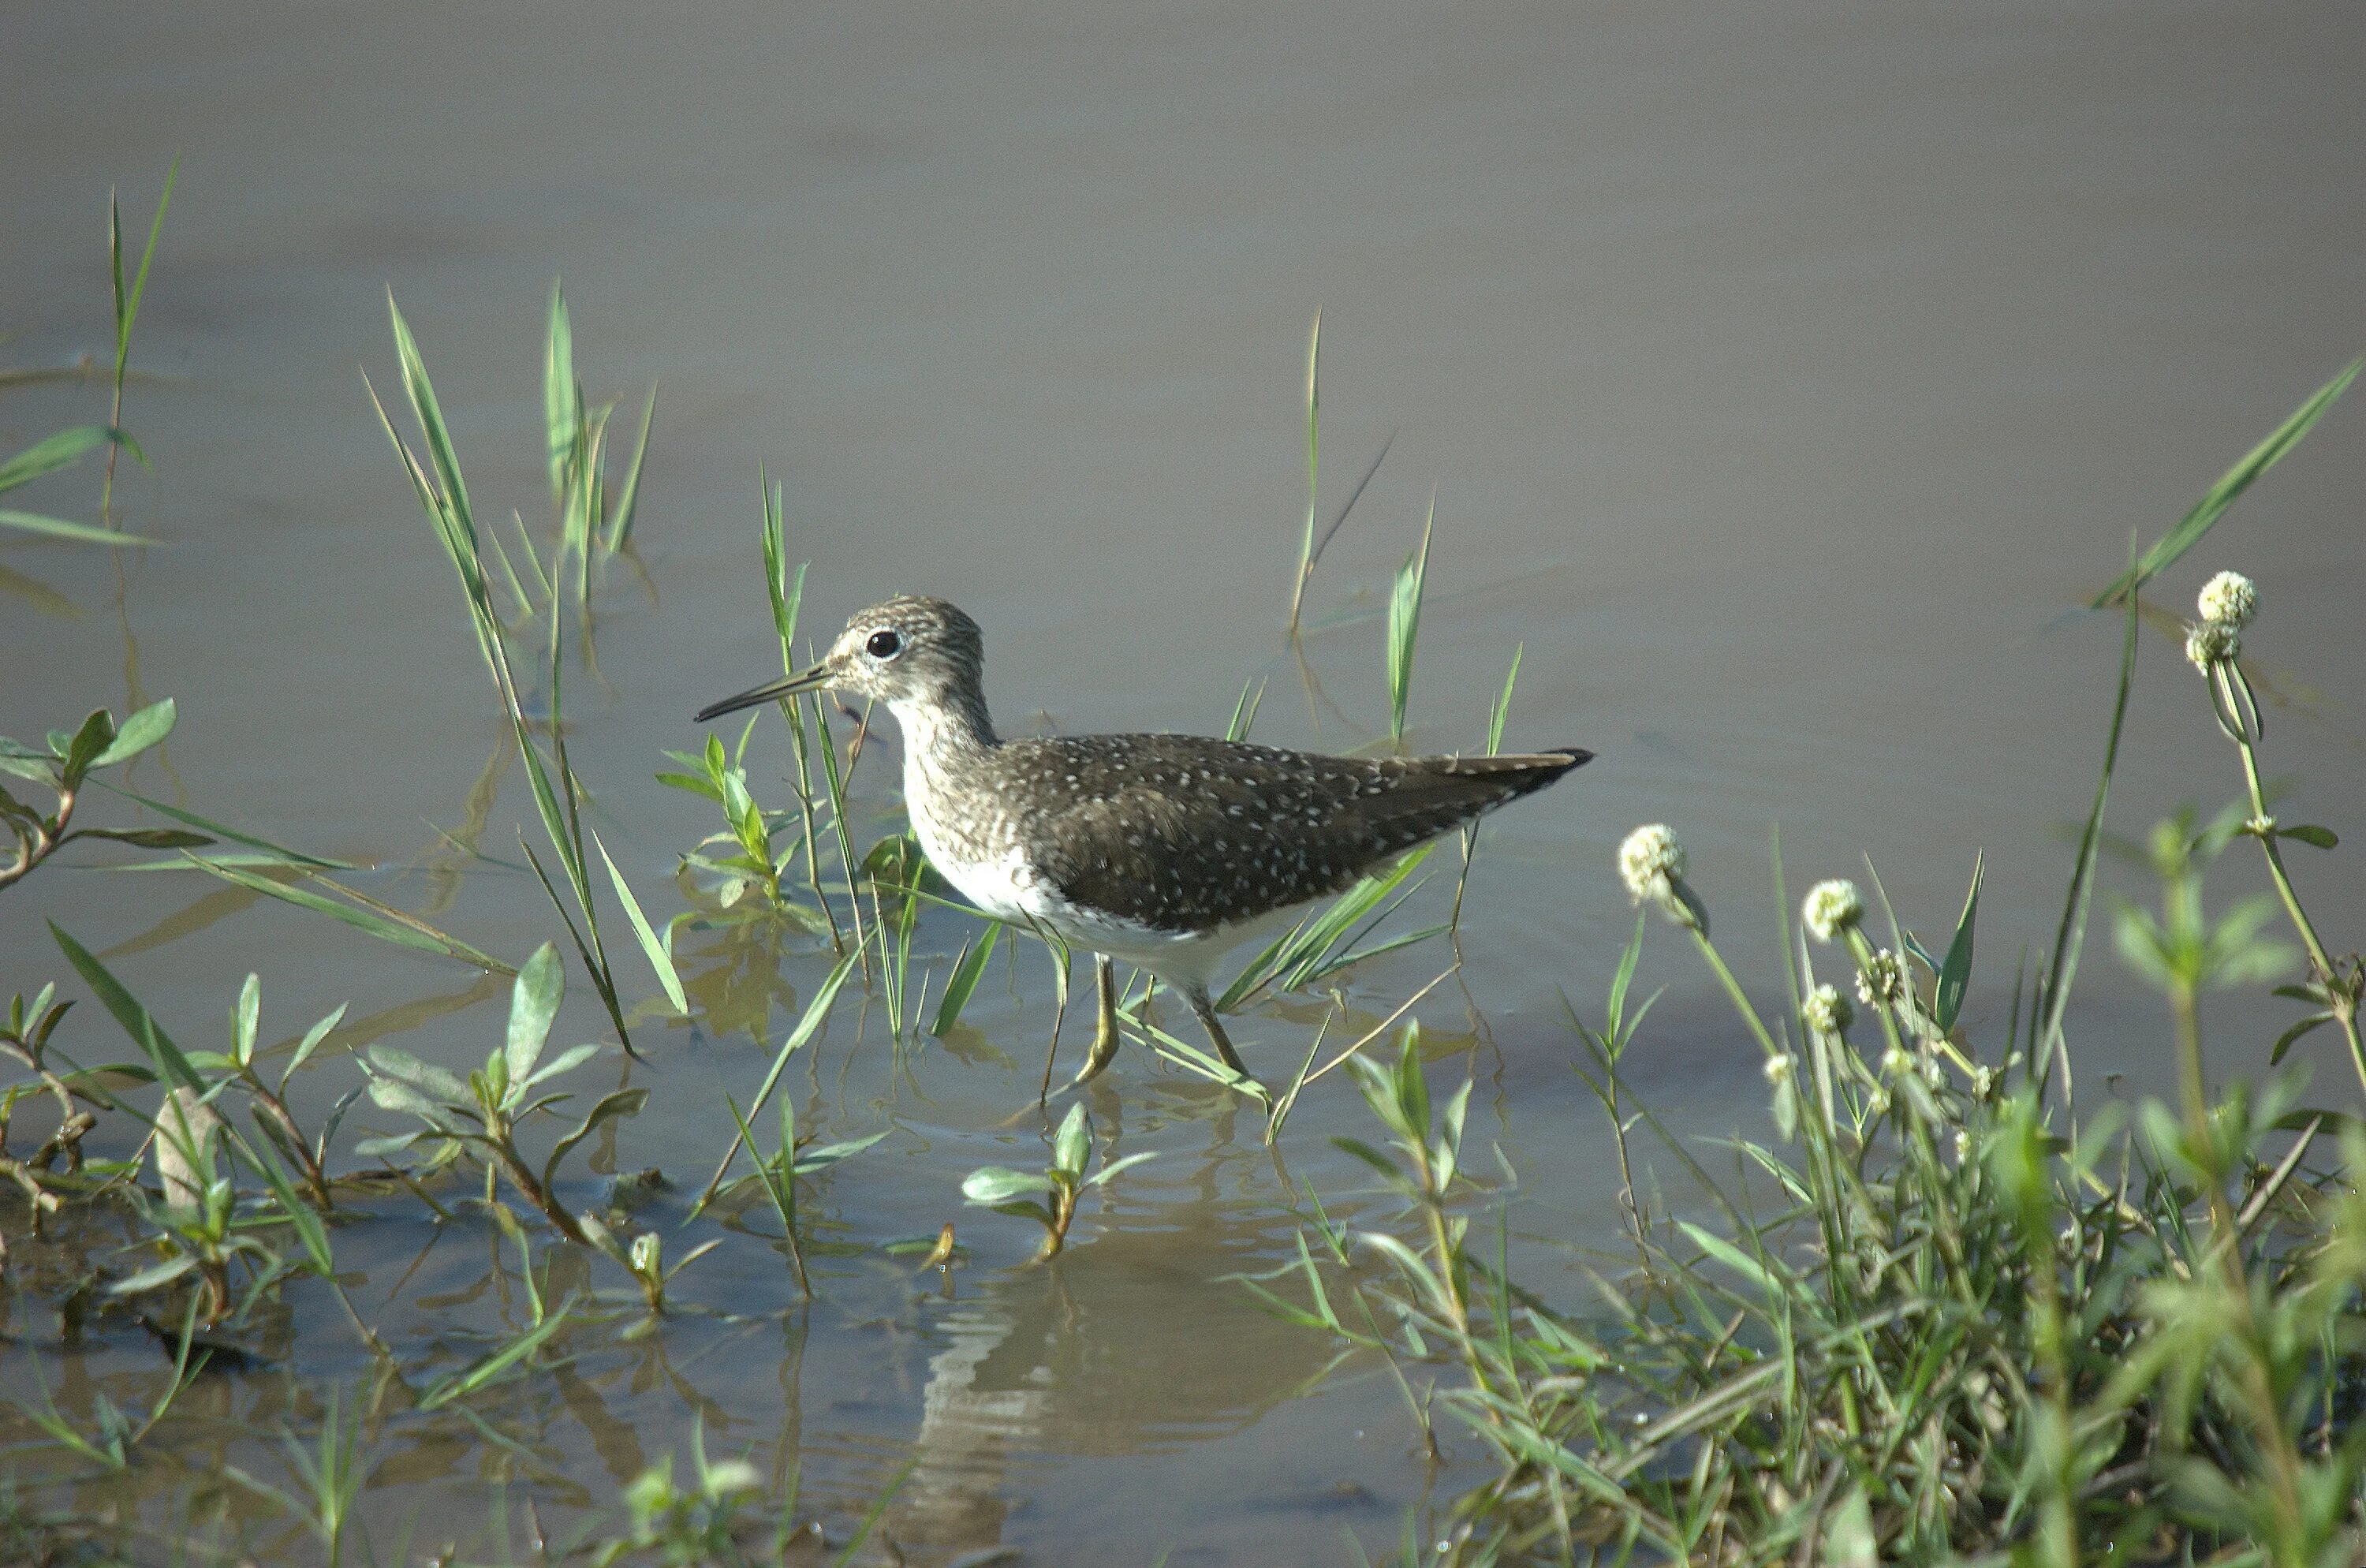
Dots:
(686, 1526)
(482, 1116)
(1975, 1322)
(745, 870)
(61, 767)
(1049, 1198)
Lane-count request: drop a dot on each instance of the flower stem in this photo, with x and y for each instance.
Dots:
(2343, 1002)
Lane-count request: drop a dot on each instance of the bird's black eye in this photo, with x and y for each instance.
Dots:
(885, 645)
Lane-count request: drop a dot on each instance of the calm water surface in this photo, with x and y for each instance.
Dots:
(1783, 378)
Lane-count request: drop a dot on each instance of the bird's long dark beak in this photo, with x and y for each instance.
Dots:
(787, 685)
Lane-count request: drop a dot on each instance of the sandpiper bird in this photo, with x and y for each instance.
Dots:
(1165, 851)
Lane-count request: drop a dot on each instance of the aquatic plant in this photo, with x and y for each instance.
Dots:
(482, 1115)
(1048, 1198)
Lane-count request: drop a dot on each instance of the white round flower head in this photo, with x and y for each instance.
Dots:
(1651, 863)
(1832, 907)
(1883, 980)
(1897, 1062)
(1778, 1070)
(1649, 860)
(2230, 599)
(1963, 1146)
(1826, 1011)
(1983, 1080)
(2210, 642)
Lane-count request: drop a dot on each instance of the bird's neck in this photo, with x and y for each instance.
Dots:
(945, 732)
(945, 739)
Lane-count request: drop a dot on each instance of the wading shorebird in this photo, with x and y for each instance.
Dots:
(1165, 851)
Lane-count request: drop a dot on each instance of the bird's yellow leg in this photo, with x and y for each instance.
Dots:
(1105, 1039)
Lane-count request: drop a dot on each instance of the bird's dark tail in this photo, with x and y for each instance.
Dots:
(1517, 774)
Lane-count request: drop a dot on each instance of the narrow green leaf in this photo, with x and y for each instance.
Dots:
(1955, 974)
(148, 838)
(562, 406)
(2309, 833)
(620, 529)
(968, 971)
(59, 528)
(206, 824)
(54, 453)
(816, 1010)
(1502, 708)
(822, 1155)
(2231, 484)
(311, 1041)
(1111, 1169)
(486, 1368)
(145, 1032)
(1404, 624)
(127, 303)
(659, 959)
(1244, 711)
(365, 920)
(151, 1277)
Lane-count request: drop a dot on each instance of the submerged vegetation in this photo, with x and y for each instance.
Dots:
(1949, 1312)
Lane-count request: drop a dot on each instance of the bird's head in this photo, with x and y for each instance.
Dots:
(908, 652)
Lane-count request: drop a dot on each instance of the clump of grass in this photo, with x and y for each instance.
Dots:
(443, 494)
(1975, 1322)
(68, 446)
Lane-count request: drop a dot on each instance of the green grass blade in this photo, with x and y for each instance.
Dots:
(424, 404)
(1404, 624)
(620, 529)
(1955, 972)
(2070, 935)
(127, 306)
(55, 452)
(486, 1368)
(878, 1508)
(816, 1010)
(1502, 708)
(1313, 455)
(2231, 484)
(207, 824)
(659, 959)
(78, 532)
(1244, 711)
(562, 404)
(408, 932)
(966, 973)
(126, 1010)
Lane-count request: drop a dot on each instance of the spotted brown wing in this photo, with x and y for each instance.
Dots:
(1185, 833)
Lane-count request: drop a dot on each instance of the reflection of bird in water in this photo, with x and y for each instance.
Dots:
(1165, 851)
(1090, 1359)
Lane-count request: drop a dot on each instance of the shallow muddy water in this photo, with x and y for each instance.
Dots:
(1784, 381)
